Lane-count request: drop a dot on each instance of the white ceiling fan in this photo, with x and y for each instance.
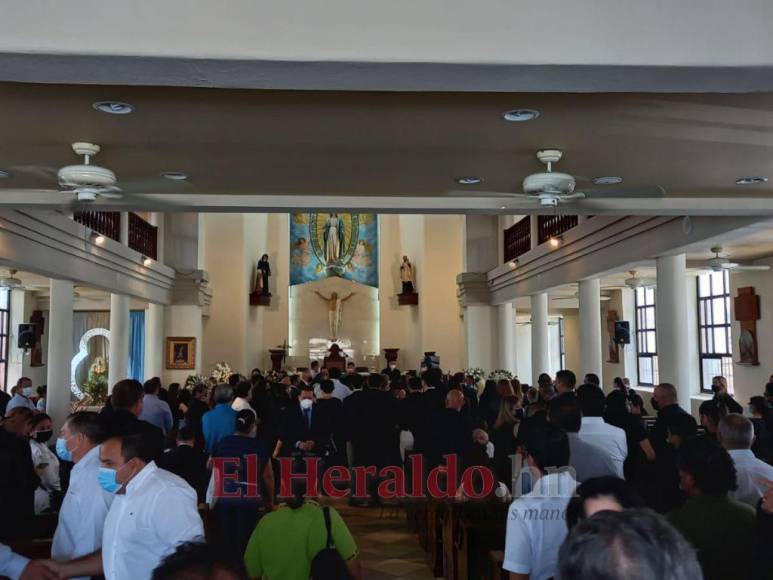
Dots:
(11, 281)
(635, 282)
(718, 264)
(551, 188)
(576, 296)
(90, 182)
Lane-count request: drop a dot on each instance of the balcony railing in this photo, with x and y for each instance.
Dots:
(549, 226)
(107, 223)
(143, 237)
(518, 239)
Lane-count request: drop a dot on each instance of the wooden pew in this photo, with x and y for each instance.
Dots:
(473, 543)
(496, 559)
(435, 511)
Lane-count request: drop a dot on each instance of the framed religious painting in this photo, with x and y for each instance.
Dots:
(180, 353)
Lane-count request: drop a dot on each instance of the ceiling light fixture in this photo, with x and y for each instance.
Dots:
(512, 264)
(174, 175)
(520, 115)
(752, 180)
(97, 238)
(113, 107)
(608, 180)
(146, 261)
(554, 241)
(468, 180)
(4, 174)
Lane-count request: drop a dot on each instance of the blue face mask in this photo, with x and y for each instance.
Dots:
(61, 449)
(107, 480)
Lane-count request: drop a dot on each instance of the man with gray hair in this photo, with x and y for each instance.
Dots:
(220, 422)
(736, 434)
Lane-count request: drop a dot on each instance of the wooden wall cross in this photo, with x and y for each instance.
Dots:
(747, 312)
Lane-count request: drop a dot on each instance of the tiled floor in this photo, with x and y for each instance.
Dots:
(388, 550)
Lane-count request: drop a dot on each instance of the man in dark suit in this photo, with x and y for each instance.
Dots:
(448, 431)
(665, 400)
(304, 432)
(197, 406)
(412, 413)
(434, 393)
(18, 479)
(123, 415)
(188, 462)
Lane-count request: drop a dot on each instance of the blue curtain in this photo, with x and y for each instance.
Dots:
(137, 346)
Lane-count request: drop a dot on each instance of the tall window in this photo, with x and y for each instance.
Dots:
(647, 353)
(5, 331)
(561, 342)
(716, 351)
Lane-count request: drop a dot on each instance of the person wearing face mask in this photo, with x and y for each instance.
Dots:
(85, 505)
(22, 397)
(153, 511)
(45, 462)
(232, 463)
(301, 432)
(719, 388)
(391, 370)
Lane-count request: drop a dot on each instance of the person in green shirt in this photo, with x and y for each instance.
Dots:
(285, 541)
(721, 530)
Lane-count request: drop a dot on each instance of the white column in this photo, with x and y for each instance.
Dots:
(591, 360)
(506, 337)
(540, 354)
(123, 236)
(534, 232)
(673, 334)
(154, 341)
(59, 357)
(119, 340)
(480, 326)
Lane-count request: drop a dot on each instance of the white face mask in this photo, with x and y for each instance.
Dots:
(306, 404)
(27, 391)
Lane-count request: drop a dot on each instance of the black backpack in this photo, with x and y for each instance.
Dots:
(328, 564)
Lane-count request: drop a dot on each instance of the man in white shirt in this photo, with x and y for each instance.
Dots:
(22, 396)
(594, 431)
(85, 505)
(536, 522)
(736, 434)
(152, 513)
(340, 390)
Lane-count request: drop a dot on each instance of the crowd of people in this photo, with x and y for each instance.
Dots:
(184, 483)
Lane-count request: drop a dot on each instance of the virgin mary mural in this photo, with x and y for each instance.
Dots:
(334, 244)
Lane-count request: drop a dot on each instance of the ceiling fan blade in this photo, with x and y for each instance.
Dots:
(478, 193)
(626, 192)
(158, 185)
(40, 171)
(751, 268)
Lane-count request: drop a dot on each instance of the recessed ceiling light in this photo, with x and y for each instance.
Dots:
(608, 180)
(502, 207)
(146, 261)
(114, 107)
(97, 238)
(751, 180)
(174, 175)
(555, 241)
(520, 115)
(4, 174)
(468, 180)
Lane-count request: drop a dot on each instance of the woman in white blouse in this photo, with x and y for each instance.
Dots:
(240, 402)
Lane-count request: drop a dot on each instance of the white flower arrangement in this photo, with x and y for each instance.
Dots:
(476, 373)
(220, 373)
(500, 374)
(194, 380)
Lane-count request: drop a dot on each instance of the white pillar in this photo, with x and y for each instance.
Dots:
(118, 367)
(506, 342)
(534, 232)
(123, 233)
(154, 341)
(59, 357)
(591, 360)
(480, 326)
(540, 353)
(673, 334)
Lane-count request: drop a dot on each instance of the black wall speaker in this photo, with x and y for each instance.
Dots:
(26, 336)
(622, 332)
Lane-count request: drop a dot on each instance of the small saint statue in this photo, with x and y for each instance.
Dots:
(407, 275)
(261, 279)
(335, 311)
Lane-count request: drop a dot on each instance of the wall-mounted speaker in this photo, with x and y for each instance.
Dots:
(26, 336)
(622, 332)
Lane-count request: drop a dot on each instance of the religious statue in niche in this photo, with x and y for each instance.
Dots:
(262, 274)
(335, 311)
(747, 312)
(407, 279)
